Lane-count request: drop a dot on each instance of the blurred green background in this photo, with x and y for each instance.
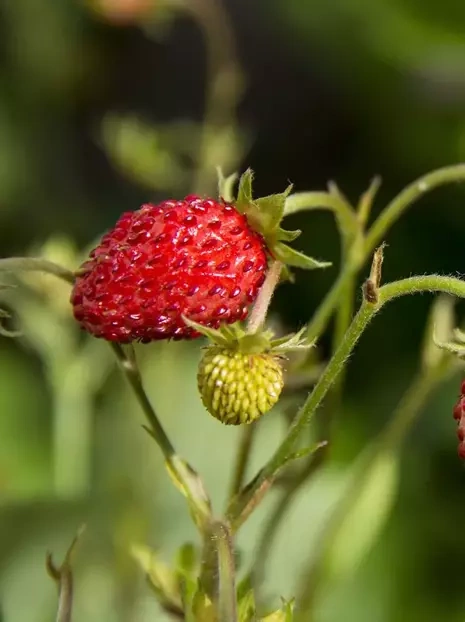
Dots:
(102, 106)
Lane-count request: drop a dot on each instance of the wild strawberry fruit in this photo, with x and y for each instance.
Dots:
(198, 258)
(240, 375)
(459, 416)
(236, 387)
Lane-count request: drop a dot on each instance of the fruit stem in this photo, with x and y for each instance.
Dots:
(243, 458)
(129, 366)
(260, 309)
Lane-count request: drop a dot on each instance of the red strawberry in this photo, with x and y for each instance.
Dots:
(459, 416)
(196, 257)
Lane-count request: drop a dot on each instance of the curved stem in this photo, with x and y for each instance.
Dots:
(324, 312)
(243, 458)
(411, 194)
(429, 283)
(345, 216)
(31, 264)
(375, 235)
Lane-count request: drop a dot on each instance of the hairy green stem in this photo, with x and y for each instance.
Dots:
(450, 285)
(30, 264)
(218, 573)
(324, 312)
(407, 197)
(131, 371)
(375, 235)
(332, 201)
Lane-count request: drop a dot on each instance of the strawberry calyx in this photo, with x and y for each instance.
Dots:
(235, 337)
(264, 216)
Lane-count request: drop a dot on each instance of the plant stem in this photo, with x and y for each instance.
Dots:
(450, 285)
(30, 264)
(326, 309)
(345, 216)
(243, 457)
(218, 574)
(182, 474)
(260, 309)
(407, 197)
(129, 367)
(375, 235)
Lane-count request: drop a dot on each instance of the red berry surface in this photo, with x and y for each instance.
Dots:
(196, 257)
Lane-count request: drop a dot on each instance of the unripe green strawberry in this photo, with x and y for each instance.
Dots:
(238, 387)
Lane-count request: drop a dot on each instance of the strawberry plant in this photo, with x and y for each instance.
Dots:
(244, 366)
(201, 267)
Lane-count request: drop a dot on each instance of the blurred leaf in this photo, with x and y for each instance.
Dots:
(190, 484)
(186, 561)
(285, 614)
(202, 608)
(160, 577)
(246, 607)
(363, 514)
(136, 148)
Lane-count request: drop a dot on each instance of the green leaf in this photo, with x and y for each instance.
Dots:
(364, 508)
(189, 483)
(160, 577)
(303, 453)
(296, 259)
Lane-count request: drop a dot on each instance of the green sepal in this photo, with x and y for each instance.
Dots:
(296, 259)
(226, 185)
(264, 216)
(223, 336)
(292, 342)
(288, 236)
